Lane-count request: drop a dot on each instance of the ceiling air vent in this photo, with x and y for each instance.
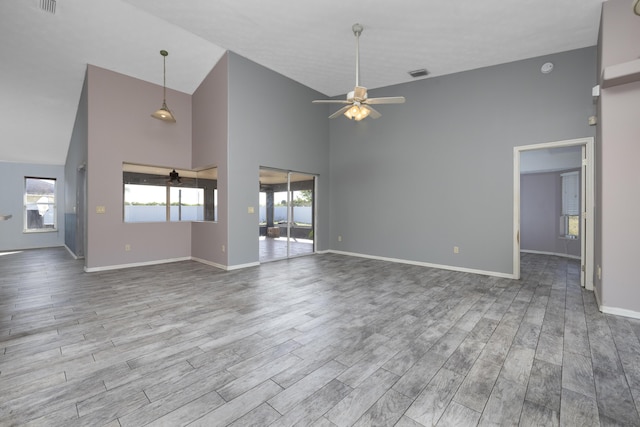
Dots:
(48, 5)
(418, 73)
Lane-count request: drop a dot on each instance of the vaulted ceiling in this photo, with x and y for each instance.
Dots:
(43, 55)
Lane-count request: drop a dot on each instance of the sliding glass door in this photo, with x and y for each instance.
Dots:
(287, 214)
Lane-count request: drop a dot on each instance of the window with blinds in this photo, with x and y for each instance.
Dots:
(570, 219)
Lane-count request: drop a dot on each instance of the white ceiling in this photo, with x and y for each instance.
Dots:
(44, 55)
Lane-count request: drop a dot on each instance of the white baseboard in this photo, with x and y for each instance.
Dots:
(166, 261)
(426, 264)
(615, 310)
(225, 267)
(597, 296)
(527, 251)
(240, 266)
(135, 264)
(619, 311)
(210, 263)
(74, 256)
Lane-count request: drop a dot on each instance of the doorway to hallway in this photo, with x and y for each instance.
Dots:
(585, 213)
(287, 214)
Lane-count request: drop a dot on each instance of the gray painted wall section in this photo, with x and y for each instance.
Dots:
(617, 171)
(273, 123)
(12, 236)
(448, 151)
(76, 156)
(209, 148)
(541, 207)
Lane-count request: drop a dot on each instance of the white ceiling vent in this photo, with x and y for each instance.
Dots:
(48, 5)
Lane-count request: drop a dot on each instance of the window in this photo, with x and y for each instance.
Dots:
(151, 195)
(570, 219)
(40, 204)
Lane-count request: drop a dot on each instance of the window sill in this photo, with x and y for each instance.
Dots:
(43, 230)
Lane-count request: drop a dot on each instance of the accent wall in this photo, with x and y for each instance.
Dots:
(120, 129)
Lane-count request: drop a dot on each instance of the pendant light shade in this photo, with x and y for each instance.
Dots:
(163, 113)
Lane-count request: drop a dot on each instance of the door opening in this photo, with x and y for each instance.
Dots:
(287, 214)
(587, 189)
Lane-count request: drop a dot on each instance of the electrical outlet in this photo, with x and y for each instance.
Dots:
(456, 250)
(339, 238)
(100, 209)
(224, 249)
(250, 210)
(599, 273)
(127, 247)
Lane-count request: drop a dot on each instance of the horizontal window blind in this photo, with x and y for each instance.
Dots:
(570, 193)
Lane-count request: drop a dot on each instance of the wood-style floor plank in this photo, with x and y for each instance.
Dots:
(324, 340)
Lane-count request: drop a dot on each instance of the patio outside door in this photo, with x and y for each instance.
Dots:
(287, 214)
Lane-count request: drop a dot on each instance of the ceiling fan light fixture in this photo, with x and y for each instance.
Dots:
(163, 113)
(357, 113)
(174, 178)
(357, 106)
(636, 7)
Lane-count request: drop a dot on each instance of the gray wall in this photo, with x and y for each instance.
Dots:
(76, 158)
(272, 123)
(446, 158)
(247, 116)
(209, 148)
(12, 200)
(540, 210)
(617, 173)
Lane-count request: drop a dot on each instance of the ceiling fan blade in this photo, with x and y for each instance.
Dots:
(340, 111)
(385, 100)
(374, 114)
(331, 101)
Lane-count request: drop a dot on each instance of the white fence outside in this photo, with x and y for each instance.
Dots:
(159, 213)
(300, 214)
(136, 213)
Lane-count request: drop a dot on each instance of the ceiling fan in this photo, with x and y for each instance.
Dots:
(174, 178)
(357, 106)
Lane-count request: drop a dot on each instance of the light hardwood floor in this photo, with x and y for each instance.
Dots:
(320, 340)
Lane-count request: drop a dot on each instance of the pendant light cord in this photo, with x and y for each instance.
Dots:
(164, 79)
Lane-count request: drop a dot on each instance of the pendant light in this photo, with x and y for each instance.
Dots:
(164, 113)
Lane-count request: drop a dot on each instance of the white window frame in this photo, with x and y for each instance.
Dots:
(570, 202)
(53, 206)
